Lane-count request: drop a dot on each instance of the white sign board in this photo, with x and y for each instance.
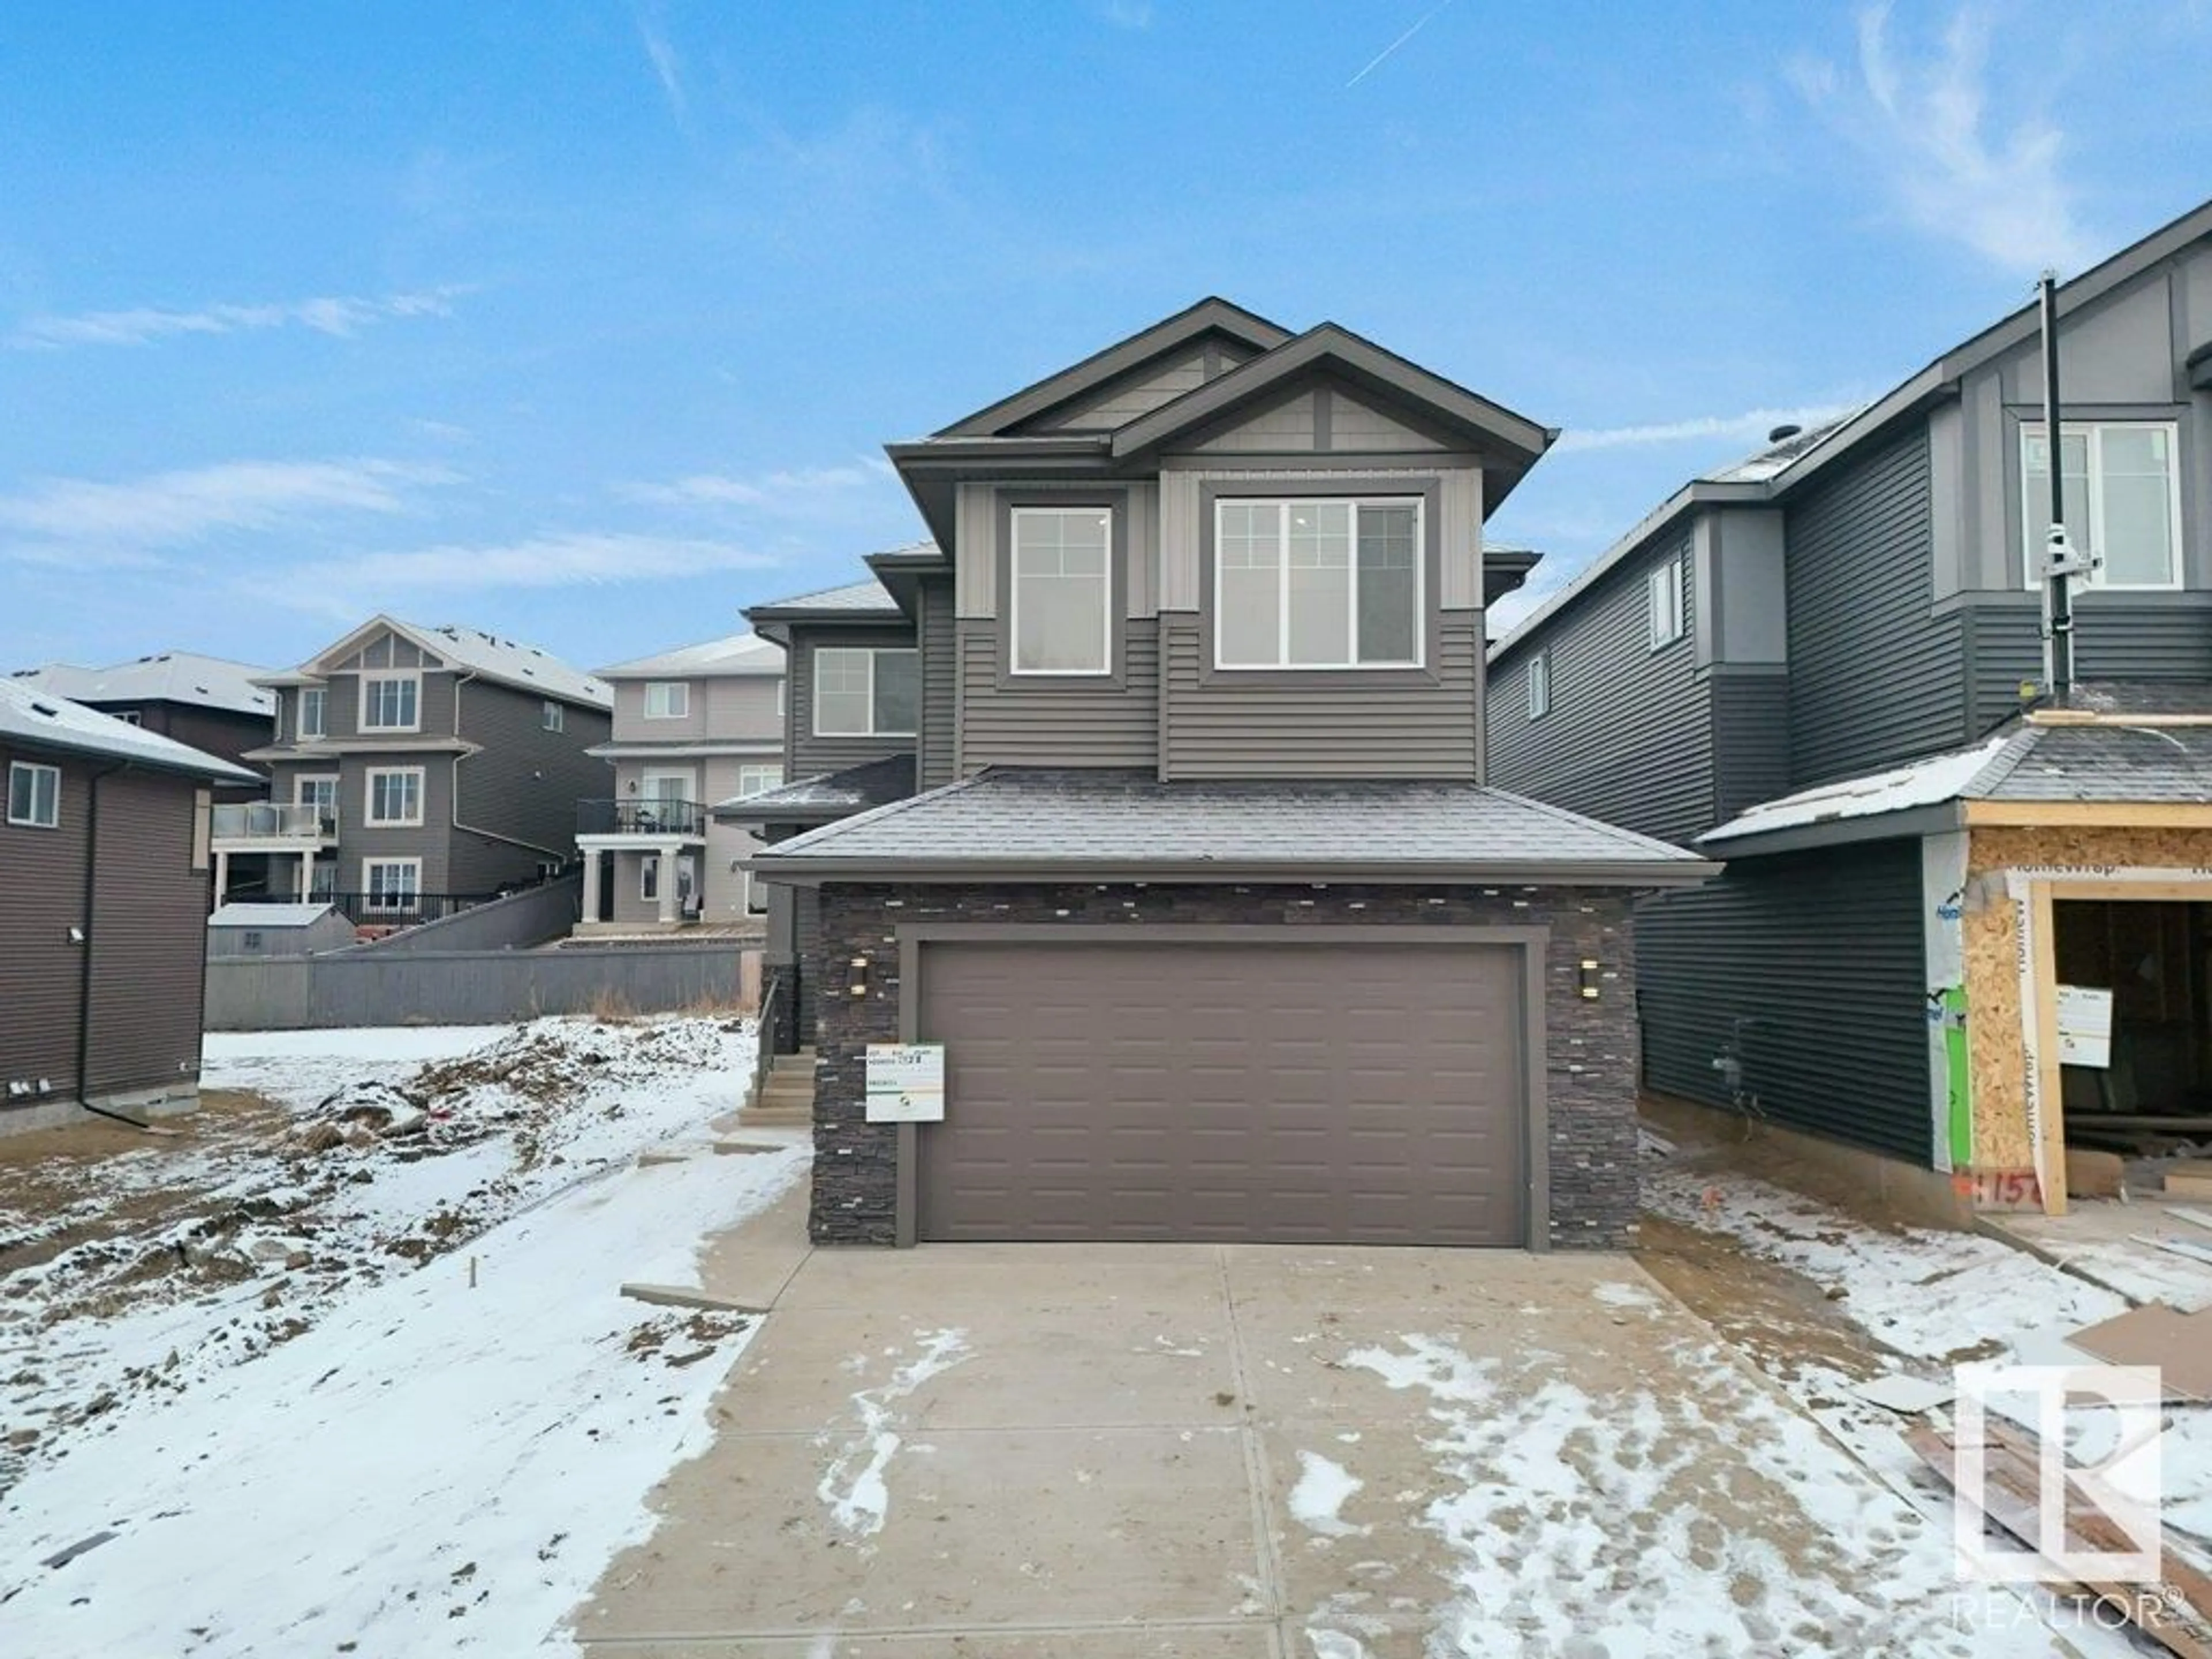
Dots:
(906, 1083)
(2085, 1026)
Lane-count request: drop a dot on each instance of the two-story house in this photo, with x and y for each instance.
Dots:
(1827, 667)
(693, 726)
(104, 877)
(416, 770)
(1199, 887)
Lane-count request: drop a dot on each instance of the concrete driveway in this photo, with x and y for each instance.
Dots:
(1223, 1452)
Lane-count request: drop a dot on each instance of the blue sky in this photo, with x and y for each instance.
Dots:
(583, 321)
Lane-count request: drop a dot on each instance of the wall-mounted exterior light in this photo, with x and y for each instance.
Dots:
(1586, 979)
(857, 982)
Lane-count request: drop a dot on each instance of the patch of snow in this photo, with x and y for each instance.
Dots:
(1615, 1294)
(1322, 1490)
(854, 1484)
(437, 1465)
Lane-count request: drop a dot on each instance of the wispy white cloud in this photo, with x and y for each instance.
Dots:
(57, 519)
(1923, 118)
(795, 491)
(143, 324)
(1376, 62)
(1750, 427)
(667, 68)
(555, 559)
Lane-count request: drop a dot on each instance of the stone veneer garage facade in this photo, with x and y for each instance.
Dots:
(1579, 1139)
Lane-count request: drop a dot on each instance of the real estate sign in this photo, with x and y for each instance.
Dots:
(2085, 1026)
(906, 1083)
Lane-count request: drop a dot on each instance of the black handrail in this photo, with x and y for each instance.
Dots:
(640, 815)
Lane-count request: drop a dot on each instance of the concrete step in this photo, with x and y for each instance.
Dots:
(774, 1117)
(776, 1089)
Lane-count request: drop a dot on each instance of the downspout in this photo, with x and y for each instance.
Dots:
(84, 960)
(454, 809)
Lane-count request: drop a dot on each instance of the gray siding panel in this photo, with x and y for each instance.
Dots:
(1106, 724)
(1875, 678)
(522, 786)
(807, 756)
(1810, 966)
(1629, 738)
(42, 889)
(1317, 725)
(149, 938)
(936, 760)
(1749, 716)
(2116, 637)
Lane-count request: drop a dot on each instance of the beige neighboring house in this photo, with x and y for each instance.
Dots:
(692, 726)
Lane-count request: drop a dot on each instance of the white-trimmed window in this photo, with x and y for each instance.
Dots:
(552, 716)
(648, 879)
(2122, 499)
(323, 879)
(391, 883)
(758, 777)
(320, 791)
(34, 795)
(395, 797)
(313, 699)
(390, 702)
(1662, 603)
(1313, 583)
(667, 700)
(1540, 684)
(1061, 607)
(130, 717)
(863, 692)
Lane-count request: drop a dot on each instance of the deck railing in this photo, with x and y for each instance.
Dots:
(269, 820)
(648, 815)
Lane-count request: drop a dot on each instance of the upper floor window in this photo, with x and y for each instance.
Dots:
(1063, 591)
(391, 703)
(2122, 499)
(395, 796)
(667, 700)
(34, 795)
(1663, 594)
(312, 699)
(865, 693)
(130, 716)
(1540, 684)
(758, 778)
(1318, 584)
(552, 716)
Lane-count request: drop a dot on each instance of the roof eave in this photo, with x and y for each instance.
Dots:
(806, 870)
(1906, 822)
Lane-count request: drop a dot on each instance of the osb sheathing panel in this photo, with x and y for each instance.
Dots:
(1993, 965)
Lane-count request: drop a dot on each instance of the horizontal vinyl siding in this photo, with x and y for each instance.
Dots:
(522, 785)
(936, 760)
(1328, 725)
(1750, 724)
(1874, 677)
(1628, 737)
(1812, 964)
(2116, 637)
(1106, 725)
(42, 896)
(149, 938)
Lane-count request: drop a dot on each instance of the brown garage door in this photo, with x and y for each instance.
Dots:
(1311, 1093)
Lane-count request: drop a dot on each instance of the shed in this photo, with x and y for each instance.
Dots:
(277, 930)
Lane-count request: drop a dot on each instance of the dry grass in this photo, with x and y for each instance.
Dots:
(611, 1007)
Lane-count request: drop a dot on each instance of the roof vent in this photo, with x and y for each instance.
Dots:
(49, 712)
(1779, 433)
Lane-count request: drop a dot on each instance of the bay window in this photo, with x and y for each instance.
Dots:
(2122, 499)
(1315, 583)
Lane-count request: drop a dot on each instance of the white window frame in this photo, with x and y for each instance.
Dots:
(322, 712)
(1282, 666)
(749, 768)
(1662, 603)
(369, 818)
(552, 717)
(1538, 675)
(2094, 431)
(388, 676)
(871, 653)
(648, 877)
(39, 773)
(300, 781)
(1105, 668)
(130, 717)
(409, 897)
(677, 699)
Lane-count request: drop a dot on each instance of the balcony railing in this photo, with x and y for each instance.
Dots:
(269, 820)
(648, 815)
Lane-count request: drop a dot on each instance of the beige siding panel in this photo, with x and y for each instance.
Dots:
(1287, 426)
(975, 554)
(1178, 526)
(934, 761)
(1318, 724)
(1109, 726)
(1356, 425)
(1143, 536)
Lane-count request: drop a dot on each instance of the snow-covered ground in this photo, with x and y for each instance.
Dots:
(386, 1398)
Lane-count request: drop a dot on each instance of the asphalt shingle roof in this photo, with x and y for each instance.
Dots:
(1097, 819)
(183, 677)
(854, 789)
(40, 717)
(860, 597)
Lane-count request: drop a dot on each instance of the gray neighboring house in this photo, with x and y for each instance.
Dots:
(692, 727)
(1151, 788)
(415, 770)
(1825, 666)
